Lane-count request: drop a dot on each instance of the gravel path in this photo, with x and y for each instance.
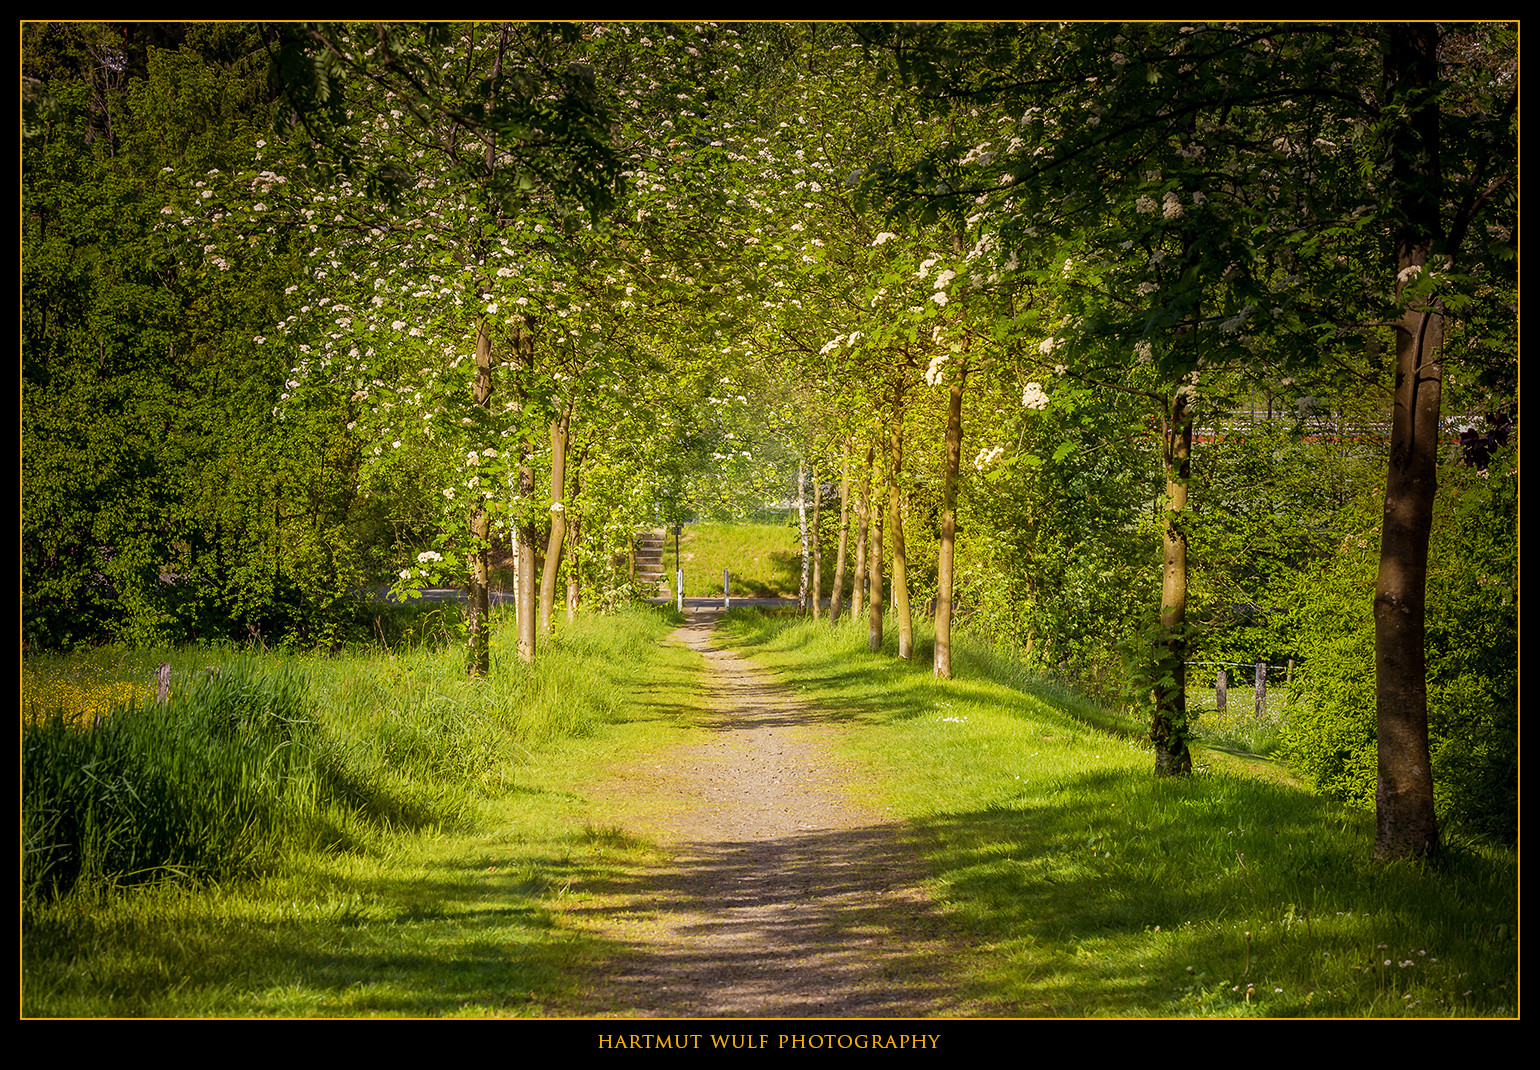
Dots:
(784, 896)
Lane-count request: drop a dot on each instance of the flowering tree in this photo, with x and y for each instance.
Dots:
(428, 271)
(1282, 195)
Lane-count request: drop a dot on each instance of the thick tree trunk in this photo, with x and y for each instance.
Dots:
(947, 551)
(478, 658)
(896, 520)
(559, 427)
(839, 558)
(1168, 729)
(864, 515)
(1405, 820)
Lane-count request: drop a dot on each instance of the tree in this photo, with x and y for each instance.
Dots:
(1283, 114)
(440, 257)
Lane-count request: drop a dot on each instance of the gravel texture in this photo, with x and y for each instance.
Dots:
(783, 894)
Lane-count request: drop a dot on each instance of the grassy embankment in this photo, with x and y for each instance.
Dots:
(765, 559)
(364, 835)
(1091, 888)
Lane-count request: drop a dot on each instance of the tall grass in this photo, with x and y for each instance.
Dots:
(204, 785)
(255, 756)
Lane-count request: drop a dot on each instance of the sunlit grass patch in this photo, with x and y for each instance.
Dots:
(80, 693)
(1098, 890)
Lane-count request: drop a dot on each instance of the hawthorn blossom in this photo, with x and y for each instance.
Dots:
(987, 457)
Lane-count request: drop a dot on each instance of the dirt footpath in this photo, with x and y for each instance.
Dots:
(784, 896)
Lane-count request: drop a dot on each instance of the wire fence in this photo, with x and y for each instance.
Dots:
(1258, 692)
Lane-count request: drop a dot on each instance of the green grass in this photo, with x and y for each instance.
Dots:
(457, 846)
(462, 844)
(1091, 888)
(765, 559)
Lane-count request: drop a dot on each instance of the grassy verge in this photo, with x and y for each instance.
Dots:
(1091, 888)
(449, 851)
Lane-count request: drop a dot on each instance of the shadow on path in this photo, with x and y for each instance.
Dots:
(785, 895)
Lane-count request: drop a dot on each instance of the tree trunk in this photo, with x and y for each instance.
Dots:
(478, 660)
(864, 515)
(816, 588)
(574, 543)
(947, 550)
(1168, 729)
(896, 519)
(802, 525)
(839, 558)
(1405, 822)
(559, 427)
(524, 528)
(874, 589)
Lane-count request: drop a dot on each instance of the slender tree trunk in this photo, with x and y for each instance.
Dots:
(896, 519)
(947, 550)
(1405, 821)
(479, 643)
(1168, 729)
(874, 590)
(479, 625)
(802, 525)
(574, 540)
(524, 528)
(559, 428)
(864, 514)
(816, 587)
(839, 558)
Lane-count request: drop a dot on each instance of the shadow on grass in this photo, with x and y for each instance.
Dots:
(1108, 891)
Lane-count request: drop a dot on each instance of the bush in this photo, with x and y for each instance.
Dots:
(1472, 658)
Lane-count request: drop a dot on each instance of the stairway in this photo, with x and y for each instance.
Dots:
(650, 577)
